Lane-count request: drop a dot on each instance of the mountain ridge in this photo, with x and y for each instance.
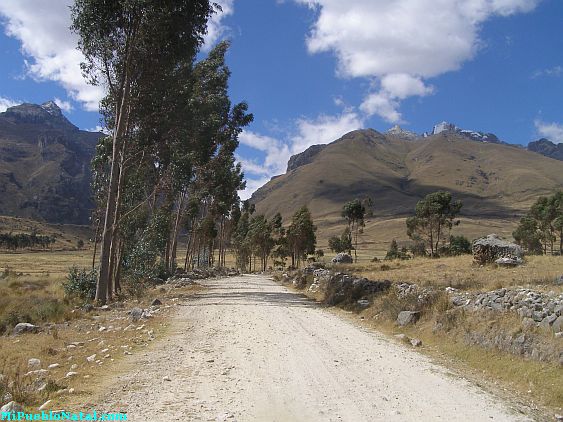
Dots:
(45, 165)
(492, 179)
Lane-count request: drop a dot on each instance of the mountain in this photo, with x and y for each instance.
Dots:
(402, 134)
(493, 180)
(45, 165)
(471, 134)
(547, 148)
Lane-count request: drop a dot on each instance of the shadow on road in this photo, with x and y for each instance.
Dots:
(245, 295)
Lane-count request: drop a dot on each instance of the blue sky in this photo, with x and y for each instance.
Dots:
(312, 70)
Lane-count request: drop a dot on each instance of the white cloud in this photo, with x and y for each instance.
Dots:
(551, 131)
(49, 46)
(252, 186)
(276, 153)
(63, 105)
(383, 105)
(394, 87)
(399, 44)
(554, 71)
(215, 27)
(5, 103)
(307, 132)
(323, 129)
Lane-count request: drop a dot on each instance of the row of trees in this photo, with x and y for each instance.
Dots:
(430, 227)
(542, 226)
(25, 241)
(256, 237)
(168, 165)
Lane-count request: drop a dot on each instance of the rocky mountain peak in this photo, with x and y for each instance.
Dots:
(399, 132)
(444, 127)
(545, 147)
(48, 114)
(52, 108)
(470, 134)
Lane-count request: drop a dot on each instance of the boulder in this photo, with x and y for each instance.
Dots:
(88, 307)
(492, 247)
(25, 327)
(11, 407)
(136, 314)
(416, 342)
(559, 280)
(557, 325)
(156, 302)
(407, 317)
(342, 258)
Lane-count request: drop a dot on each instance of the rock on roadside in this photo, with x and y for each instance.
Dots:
(25, 327)
(407, 317)
(11, 407)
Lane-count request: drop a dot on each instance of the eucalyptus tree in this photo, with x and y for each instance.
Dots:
(130, 47)
(354, 213)
(433, 215)
(301, 236)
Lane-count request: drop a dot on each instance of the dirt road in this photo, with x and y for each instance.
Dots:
(247, 349)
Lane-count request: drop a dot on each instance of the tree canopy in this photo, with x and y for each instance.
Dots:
(433, 216)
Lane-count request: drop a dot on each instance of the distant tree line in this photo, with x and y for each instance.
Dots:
(25, 241)
(256, 237)
(541, 229)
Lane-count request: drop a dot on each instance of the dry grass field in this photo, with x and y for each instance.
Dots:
(31, 291)
(379, 232)
(460, 272)
(66, 236)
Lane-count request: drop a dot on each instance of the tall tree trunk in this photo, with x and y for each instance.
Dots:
(175, 232)
(117, 282)
(96, 242)
(103, 280)
(189, 246)
(356, 245)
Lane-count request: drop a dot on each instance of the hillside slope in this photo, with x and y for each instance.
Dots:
(44, 165)
(493, 180)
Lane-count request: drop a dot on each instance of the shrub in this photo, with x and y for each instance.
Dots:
(459, 245)
(81, 283)
(418, 249)
(395, 253)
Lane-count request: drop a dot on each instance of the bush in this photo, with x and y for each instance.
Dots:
(418, 249)
(81, 283)
(459, 245)
(395, 253)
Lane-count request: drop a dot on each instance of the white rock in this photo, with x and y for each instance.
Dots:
(11, 407)
(34, 363)
(73, 366)
(45, 405)
(91, 358)
(71, 390)
(166, 378)
(416, 342)
(53, 366)
(71, 374)
(37, 373)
